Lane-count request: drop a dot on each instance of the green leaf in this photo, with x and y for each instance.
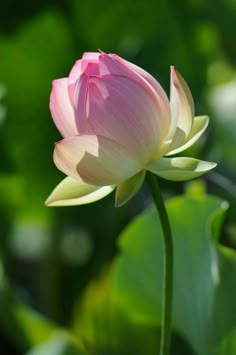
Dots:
(227, 345)
(104, 326)
(107, 329)
(35, 327)
(27, 329)
(24, 326)
(204, 272)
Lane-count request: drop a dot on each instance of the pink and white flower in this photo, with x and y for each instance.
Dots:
(117, 122)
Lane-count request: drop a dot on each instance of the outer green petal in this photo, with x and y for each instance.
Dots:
(200, 123)
(71, 192)
(127, 189)
(179, 169)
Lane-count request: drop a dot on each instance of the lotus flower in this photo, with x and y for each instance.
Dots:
(117, 122)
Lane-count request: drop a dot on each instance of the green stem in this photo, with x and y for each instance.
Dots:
(168, 264)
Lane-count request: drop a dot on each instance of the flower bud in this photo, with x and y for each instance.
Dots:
(117, 122)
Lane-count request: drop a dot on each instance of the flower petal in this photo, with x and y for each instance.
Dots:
(200, 123)
(120, 109)
(115, 65)
(180, 168)
(74, 75)
(91, 56)
(96, 160)
(127, 189)
(182, 108)
(78, 69)
(71, 192)
(61, 109)
(80, 105)
(148, 77)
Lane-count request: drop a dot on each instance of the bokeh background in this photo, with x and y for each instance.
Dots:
(50, 256)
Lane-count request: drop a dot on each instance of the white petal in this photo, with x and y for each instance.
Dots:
(96, 160)
(180, 168)
(182, 108)
(200, 123)
(71, 192)
(127, 189)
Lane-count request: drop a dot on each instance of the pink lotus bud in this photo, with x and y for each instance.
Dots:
(117, 122)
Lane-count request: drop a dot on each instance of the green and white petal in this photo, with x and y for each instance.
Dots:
(200, 123)
(182, 109)
(127, 189)
(179, 168)
(96, 160)
(71, 192)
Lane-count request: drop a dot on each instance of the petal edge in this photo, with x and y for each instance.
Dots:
(182, 108)
(72, 192)
(180, 168)
(200, 124)
(61, 109)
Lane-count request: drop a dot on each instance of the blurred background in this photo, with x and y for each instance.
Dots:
(49, 256)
